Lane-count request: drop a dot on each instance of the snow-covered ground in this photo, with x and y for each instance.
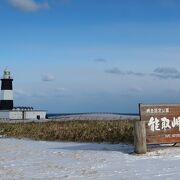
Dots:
(26, 159)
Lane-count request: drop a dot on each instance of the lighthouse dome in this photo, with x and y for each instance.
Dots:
(7, 74)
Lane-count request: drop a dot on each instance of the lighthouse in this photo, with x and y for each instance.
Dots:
(7, 109)
(6, 102)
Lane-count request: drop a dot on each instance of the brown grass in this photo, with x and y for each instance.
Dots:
(81, 131)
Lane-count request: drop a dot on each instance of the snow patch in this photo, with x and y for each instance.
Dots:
(26, 159)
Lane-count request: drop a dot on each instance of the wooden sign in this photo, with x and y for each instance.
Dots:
(162, 122)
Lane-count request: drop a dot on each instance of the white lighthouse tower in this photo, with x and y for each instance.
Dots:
(6, 102)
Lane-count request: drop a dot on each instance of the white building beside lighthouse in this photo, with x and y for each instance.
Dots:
(7, 109)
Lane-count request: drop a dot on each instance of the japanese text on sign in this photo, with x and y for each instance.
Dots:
(157, 110)
(164, 123)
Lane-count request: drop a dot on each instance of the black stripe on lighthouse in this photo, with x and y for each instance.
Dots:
(6, 104)
(6, 84)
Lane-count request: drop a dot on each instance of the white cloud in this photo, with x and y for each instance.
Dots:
(47, 77)
(117, 71)
(102, 60)
(28, 5)
(134, 90)
(114, 70)
(166, 73)
(160, 72)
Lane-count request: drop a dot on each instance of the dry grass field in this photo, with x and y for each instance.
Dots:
(76, 131)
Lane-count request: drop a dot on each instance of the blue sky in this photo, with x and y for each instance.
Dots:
(91, 55)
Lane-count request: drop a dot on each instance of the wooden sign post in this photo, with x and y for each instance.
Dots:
(140, 137)
(162, 125)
